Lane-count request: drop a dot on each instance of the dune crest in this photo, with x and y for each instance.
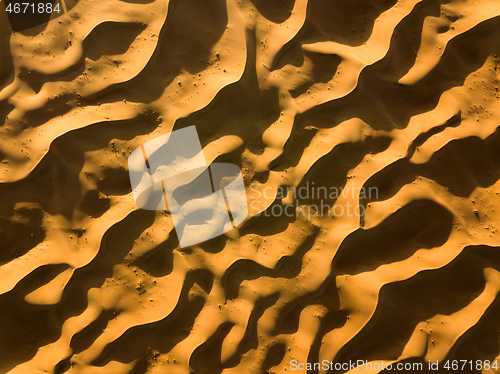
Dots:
(399, 98)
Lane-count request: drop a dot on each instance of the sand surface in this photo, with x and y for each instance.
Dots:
(401, 96)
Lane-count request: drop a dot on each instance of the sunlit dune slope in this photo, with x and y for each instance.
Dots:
(397, 97)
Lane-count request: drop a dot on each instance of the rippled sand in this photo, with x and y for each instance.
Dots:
(401, 96)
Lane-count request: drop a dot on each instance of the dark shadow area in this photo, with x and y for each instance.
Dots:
(20, 233)
(460, 166)
(159, 261)
(83, 339)
(321, 186)
(327, 295)
(185, 42)
(384, 104)
(402, 305)
(286, 267)
(251, 339)
(159, 336)
(420, 224)
(481, 341)
(7, 70)
(37, 13)
(108, 38)
(277, 11)
(324, 68)
(20, 320)
(453, 121)
(266, 223)
(206, 358)
(274, 356)
(58, 171)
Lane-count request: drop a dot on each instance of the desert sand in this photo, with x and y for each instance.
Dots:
(398, 96)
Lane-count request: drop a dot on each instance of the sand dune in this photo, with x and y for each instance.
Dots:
(397, 97)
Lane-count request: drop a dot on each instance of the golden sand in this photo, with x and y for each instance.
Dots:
(398, 96)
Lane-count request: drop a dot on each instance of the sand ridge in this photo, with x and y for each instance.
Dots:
(399, 96)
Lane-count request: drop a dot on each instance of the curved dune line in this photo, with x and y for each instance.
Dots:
(434, 44)
(355, 59)
(398, 97)
(16, 270)
(55, 128)
(90, 115)
(447, 329)
(93, 14)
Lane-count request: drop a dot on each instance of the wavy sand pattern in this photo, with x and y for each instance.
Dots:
(401, 96)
